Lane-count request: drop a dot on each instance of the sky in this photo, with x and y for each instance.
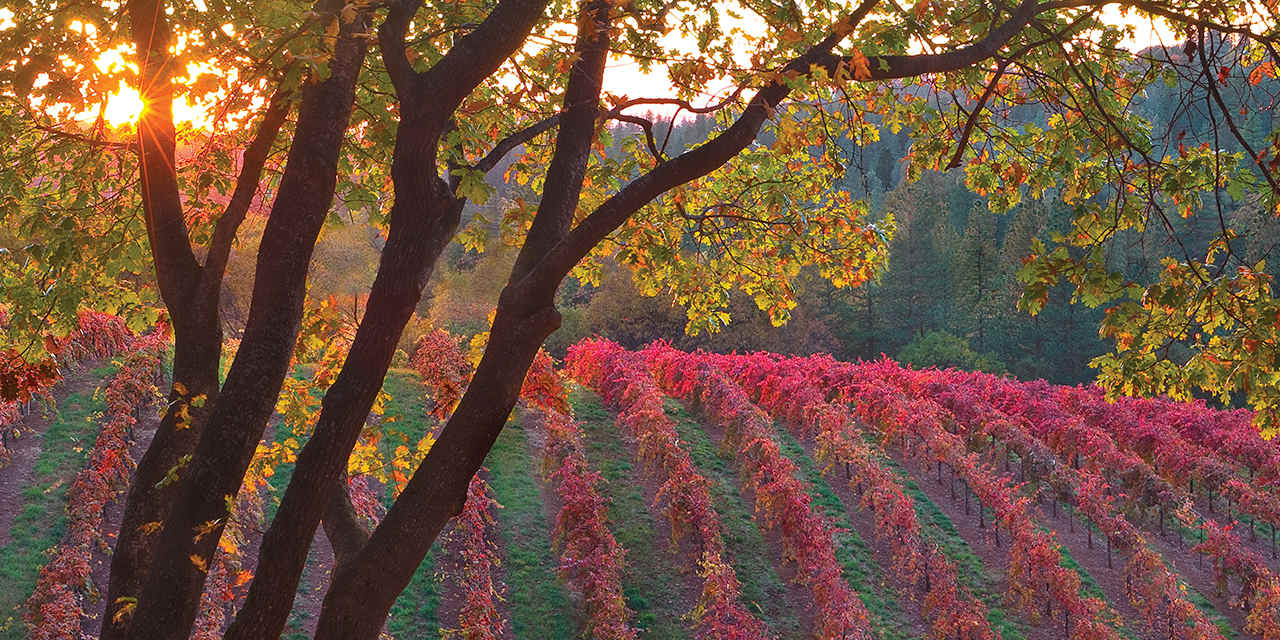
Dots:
(623, 76)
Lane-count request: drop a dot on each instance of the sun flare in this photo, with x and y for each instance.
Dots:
(123, 107)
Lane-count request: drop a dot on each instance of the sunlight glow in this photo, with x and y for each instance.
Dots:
(123, 107)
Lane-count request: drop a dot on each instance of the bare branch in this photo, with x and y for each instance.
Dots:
(1212, 84)
(647, 125)
(683, 104)
(255, 158)
(504, 146)
(975, 114)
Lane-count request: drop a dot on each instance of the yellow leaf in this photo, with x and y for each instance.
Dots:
(199, 563)
(127, 605)
(228, 545)
(180, 388)
(182, 418)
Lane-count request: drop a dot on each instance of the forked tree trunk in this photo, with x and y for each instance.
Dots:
(195, 366)
(345, 408)
(424, 218)
(171, 590)
(361, 593)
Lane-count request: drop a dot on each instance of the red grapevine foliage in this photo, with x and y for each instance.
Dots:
(782, 501)
(1046, 433)
(1079, 426)
(445, 372)
(54, 609)
(623, 381)
(790, 395)
(1151, 587)
(591, 559)
(1036, 574)
(479, 618)
(1109, 460)
(96, 336)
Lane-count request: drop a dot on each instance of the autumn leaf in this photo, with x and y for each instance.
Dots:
(228, 545)
(127, 605)
(860, 64)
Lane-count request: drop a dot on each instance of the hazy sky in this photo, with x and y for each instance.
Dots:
(624, 76)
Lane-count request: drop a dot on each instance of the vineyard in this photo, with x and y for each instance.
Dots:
(668, 494)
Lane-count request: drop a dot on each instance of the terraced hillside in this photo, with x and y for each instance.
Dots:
(664, 494)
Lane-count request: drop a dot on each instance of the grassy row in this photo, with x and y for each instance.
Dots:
(979, 579)
(762, 589)
(42, 520)
(856, 557)
(650, 565)
(414, 614)
(537, 601)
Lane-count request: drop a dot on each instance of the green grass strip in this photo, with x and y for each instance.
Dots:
(538, 602)
(42, 520)
(979, 579)
(762, 590)
(415, 612)
(650, 568)
(857, 561)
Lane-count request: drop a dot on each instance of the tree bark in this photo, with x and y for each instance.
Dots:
(342, 525)
(208, 483)
(424, 218)
(197, 334)
(197, 356)
(195, 365)
(362, 593)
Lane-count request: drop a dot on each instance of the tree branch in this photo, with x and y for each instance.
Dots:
(1212, 83)
(702, 160)
(568, 167)
(473, 58)
(84, 139)
(684, 105)
(391, 43)
(255, 158)
(896, 66)
(504, 146)
(973, 115)
(342, 526)
(647, 125)
(176, 264)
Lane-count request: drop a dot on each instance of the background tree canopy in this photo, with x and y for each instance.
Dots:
(351, 146)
